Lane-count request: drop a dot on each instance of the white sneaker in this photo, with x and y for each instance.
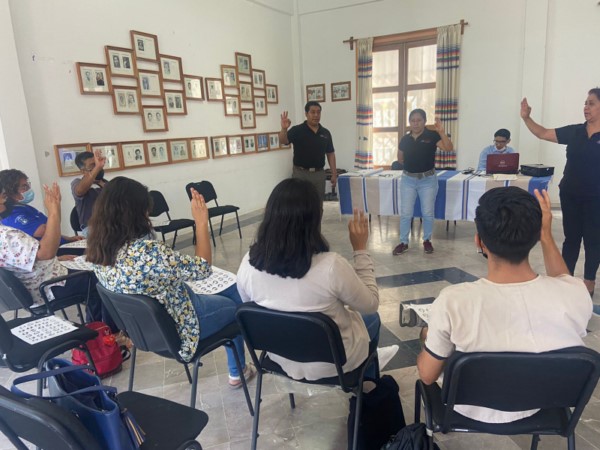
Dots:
(385, 355)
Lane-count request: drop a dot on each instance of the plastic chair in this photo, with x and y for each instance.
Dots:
(151, 329)
(302, 337)
(559, 383)
(167, 425)
(207, 190)
(159, 206)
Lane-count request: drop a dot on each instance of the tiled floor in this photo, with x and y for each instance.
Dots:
(319, 420)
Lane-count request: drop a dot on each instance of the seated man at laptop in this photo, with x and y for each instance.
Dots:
(500, 145)
(513, 308)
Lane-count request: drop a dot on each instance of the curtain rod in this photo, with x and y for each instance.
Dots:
(352, 39)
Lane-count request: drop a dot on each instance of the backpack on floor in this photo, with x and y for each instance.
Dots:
(104, 349)
(411, 437)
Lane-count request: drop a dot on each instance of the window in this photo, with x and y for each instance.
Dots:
(404, 71)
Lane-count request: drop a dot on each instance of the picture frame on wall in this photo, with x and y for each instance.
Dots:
(179, 150)
(110, 151)
(315, 92)
(126, 100)
(65, 158)
(158, 152)
(120, 61)
(243, 62)
(249, 143)
(155, 118)
(194, 87)
(145, 45)
(272, 93)
(247, 119)
(93, 79)
(219, 146)
(175, 102)
(274, 141)
(234, 144)
(246, 94)
(232, 105)
(262, 142)
(199, 148)
(150, 83)
(134, 154)
(229, 75)
(258, 79)
(214, 89)
(341, 91)
(171, 68)
(260, 106)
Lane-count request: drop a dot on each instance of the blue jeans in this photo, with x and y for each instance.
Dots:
(373, 324)
(214, 313)
(426, 189)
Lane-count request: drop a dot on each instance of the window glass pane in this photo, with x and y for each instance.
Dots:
(421, 98)
(385, 109)
(421, 64)
(385, 148)
(385, 68)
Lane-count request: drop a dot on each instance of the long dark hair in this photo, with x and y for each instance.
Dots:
(290, 233)
(120, 215)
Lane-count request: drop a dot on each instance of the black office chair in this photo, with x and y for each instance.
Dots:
(159, 207)
(167, 425)
(302, 337)
(207, 190)
(151, 329)
(559, 383)
(74, 220)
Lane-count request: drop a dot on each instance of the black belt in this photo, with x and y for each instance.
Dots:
(309, 169)
(420, 175)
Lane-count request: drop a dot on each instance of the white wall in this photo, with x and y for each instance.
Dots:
(51, 37)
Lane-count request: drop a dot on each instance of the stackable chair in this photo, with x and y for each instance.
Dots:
(558, 383)
(159, 207)
(302, 337)
(74, 220)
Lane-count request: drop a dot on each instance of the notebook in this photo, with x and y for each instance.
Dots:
(502, 163)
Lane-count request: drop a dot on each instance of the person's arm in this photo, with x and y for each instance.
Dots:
(285, 124)
(444, 143)
(547, 134)
(89, 178)
(429, 368)
(333, 167)
(554, 262)
(200, 215)
(51, 239)
(482, 159)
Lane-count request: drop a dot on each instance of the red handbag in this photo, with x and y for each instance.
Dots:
(106, 353)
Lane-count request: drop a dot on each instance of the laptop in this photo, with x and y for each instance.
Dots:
(502, 163)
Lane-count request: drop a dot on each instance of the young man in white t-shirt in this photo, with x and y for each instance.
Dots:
(512, 308)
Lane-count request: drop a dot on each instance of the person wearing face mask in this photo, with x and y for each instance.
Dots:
(500, 146)
(86, 189)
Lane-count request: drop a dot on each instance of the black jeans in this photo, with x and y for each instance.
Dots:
(581, 220)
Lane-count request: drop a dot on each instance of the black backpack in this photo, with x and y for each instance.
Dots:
(411, 437)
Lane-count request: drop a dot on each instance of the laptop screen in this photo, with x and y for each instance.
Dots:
(502, 163)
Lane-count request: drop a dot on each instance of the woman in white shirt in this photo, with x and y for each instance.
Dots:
(290, 268)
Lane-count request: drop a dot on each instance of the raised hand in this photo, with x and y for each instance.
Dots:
(439, 127)
(285, 122)
(525, 109)
(99, 160)
(546, 206)
(52, 198)
(199, 208)
(359, 230)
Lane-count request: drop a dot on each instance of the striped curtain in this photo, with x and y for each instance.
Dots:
(363, 158)
(446, 91)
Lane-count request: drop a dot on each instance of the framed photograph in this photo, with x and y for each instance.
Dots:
(243, 63)
(199, 148)
(150, 83)
(262, 142)
(258, 79)
(214, 89)
(93, 79)
(247, 119)
(249, 143)
(341, 91)
(194, 89)
(157, 152)
(315, 92)
(272, 93)
(246, 94)
(234, 144)
(111, 152)
(175, 102)
(274, 141)
(65, 158)
(170, 67)
(134, 154)
(144, 45)
(179, 150)
(232, 105)
(219, 146)
(229, 75)
(260, 106)
(126, 100)
(155, 118)
(120, 61)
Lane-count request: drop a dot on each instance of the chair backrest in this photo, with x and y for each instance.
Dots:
(42, 423)
(302, 337)
(159, 204)
(204, 188)
(13, 294)
(145, 320)
(74, 220)
(562, 378)
(6, 339)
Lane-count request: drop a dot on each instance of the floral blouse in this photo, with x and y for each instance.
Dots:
(152, 268)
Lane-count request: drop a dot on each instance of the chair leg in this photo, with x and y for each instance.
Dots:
(194, 383)
(238, 223)
(292, 401)
(417, 404)
(64, 313)
(221, 227)
(257, 401)
(212, 234)
(571, 441)
(187, 372)
(132, 368)
(357, 412)
(80, 314)
(240, 369)
(174, 239)
(535, 439)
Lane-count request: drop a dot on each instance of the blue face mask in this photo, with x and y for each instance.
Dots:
(28, 196)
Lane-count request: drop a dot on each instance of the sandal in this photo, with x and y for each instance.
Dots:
(249, 373)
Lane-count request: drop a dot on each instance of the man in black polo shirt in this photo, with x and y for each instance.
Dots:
(312, 143)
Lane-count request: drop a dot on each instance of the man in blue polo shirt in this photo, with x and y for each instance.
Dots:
(312, 143)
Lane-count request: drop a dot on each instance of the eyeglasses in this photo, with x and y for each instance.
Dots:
(501, 142)
(24, 187)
